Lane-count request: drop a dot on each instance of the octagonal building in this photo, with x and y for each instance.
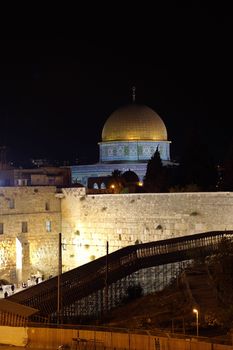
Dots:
(133, 133)
(130, 137)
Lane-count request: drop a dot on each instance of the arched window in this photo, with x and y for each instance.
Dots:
(95, 186)
(103, 186)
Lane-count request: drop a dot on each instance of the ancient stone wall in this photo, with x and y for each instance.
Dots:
(89, 221)
(30, 219)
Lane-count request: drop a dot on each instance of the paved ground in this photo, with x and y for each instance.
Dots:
(7, 288)
(7, 347)
(11, 347)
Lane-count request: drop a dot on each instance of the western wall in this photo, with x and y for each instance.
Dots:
(89, 221)
(32, 217)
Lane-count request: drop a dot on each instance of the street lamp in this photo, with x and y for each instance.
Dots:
(195, 311)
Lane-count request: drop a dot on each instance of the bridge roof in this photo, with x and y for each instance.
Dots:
(16, 309)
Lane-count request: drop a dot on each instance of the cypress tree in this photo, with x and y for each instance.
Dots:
(156, 178)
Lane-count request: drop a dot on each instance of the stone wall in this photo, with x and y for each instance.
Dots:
(32, 246)
(89, 221)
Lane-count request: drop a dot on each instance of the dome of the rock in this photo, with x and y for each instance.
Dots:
(134, 123)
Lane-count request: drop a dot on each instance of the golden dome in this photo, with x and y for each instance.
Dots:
(134, 122)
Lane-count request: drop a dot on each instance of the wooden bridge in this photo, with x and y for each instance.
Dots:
(100, 274)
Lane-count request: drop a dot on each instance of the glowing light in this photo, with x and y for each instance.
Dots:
(195, 311)
(112, 186)
(19, 260)
(140, 183)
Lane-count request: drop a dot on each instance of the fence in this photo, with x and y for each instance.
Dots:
(112, 339)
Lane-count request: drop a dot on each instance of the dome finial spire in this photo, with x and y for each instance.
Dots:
(134, 93)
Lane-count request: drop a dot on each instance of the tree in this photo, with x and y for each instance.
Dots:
(116, 174)
(221, 268)
(134, 291)
(117, 181)
(156, 178)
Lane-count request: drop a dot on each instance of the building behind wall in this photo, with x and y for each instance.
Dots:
(43, 176)
(130, 137)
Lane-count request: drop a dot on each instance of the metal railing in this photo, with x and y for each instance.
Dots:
(91, 277)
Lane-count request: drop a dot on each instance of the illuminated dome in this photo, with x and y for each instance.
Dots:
(134, 122)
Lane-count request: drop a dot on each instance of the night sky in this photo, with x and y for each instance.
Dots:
(58, 89)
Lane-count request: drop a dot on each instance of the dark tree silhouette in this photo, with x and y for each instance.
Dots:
(117, 181)
(156, 178)
(116, 173)
(221, 268)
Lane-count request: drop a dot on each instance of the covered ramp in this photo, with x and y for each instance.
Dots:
(14, 314)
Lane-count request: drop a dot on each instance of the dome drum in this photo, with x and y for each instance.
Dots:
(139, 151)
